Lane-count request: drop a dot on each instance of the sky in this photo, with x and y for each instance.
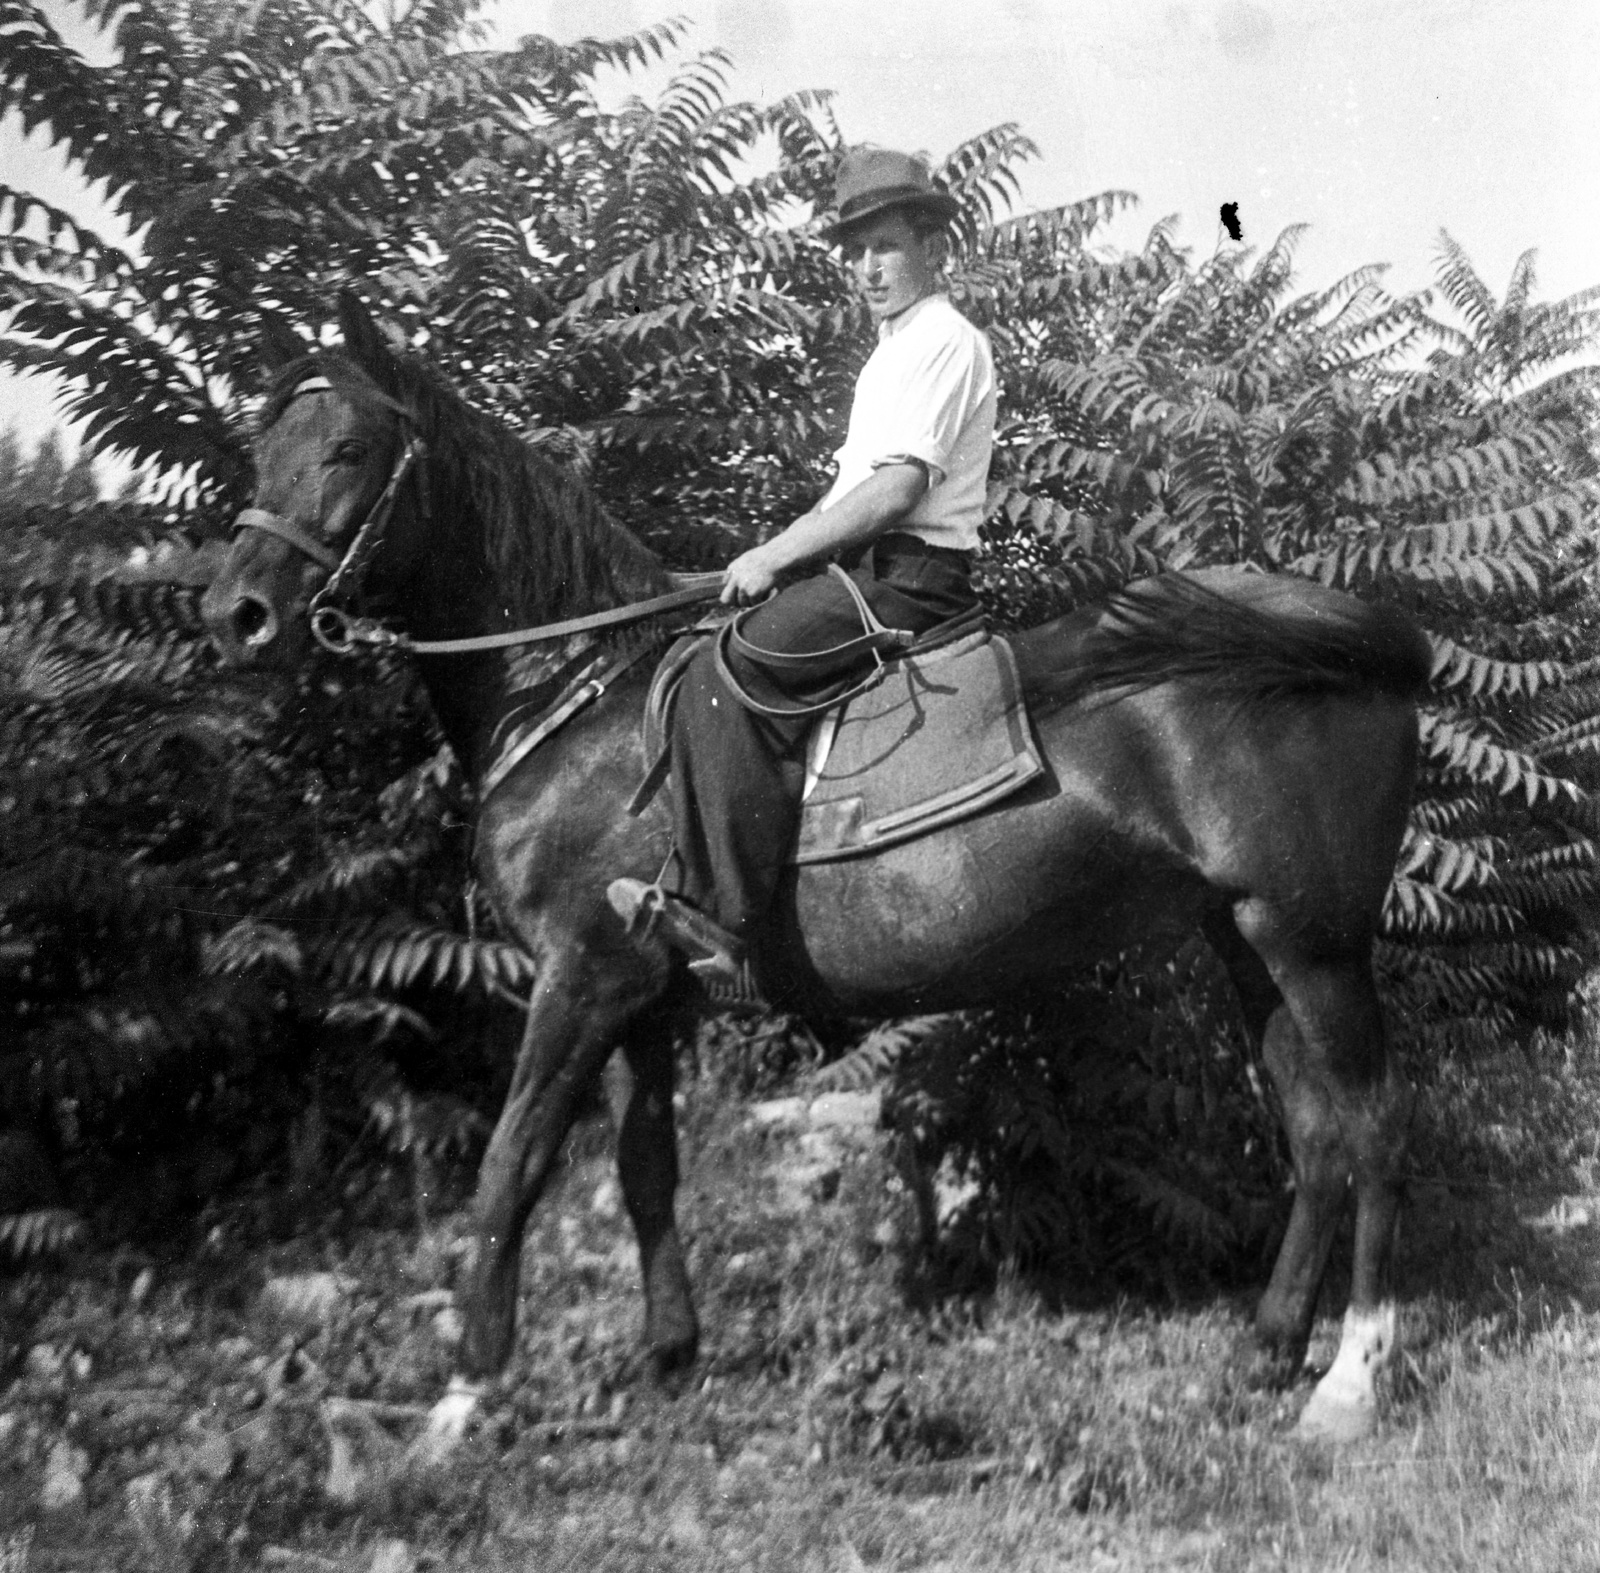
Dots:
(1375, 122)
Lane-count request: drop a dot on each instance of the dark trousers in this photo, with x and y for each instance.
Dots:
(736, 775)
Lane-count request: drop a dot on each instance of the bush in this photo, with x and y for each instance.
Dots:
(616, 284)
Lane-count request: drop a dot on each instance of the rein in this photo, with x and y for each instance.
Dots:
(693, 589)
(342, 632)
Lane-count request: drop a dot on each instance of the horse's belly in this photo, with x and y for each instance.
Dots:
(955, 918)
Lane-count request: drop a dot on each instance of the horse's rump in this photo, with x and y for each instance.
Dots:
(1242, 635)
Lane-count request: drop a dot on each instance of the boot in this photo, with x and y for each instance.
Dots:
(716, 958)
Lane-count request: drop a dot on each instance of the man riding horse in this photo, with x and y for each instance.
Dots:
(901, 521)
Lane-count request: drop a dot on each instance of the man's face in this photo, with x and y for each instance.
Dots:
(893, 266)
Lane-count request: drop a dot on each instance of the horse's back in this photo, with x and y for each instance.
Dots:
(1164, 799)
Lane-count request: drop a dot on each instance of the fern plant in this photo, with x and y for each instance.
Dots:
(615, 282)
(1116, 1129)
(195, 891)
(1201, 417)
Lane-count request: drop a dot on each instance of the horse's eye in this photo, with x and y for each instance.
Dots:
(350, 453)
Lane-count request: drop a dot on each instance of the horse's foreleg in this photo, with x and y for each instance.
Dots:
(563, 1047)
(639, 1087)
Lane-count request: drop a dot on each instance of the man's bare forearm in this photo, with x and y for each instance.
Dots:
(863, 514)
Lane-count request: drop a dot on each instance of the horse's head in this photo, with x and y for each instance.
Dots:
(334, 441)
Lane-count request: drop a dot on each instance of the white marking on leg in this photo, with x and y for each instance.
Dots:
(448, 1420)
(1344, 1407)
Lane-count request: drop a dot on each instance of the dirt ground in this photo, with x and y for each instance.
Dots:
(224, 1400)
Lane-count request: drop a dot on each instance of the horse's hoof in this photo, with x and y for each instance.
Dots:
(1267, 1365)
(1339, 1421)
(446, 1426)
(669, 1358)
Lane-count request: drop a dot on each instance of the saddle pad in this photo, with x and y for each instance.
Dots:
(942, 736)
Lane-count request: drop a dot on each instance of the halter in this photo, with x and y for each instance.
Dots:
(341, 632)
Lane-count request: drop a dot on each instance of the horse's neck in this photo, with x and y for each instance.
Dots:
(473, 694)
(456, 593)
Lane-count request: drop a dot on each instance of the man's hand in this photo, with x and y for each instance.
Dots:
(749, 577)
(879, 503)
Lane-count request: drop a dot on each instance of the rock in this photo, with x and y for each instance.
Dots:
(392, 1556)
(686, 1530)
(607, 1200)
(307, 1297)
(148, 1499)
(851, 1111)
(258, 1446)
(142, 1285)
(362, 1456)
(213, 1457)
(428, 1300)
(802, 1183)
(294, 1374)
(64, 1472)
(45, 1363)
(779, 1111)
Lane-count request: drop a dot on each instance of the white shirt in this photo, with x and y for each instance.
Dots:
(927, 392)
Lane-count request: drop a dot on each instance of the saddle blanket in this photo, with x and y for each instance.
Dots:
(940, 737)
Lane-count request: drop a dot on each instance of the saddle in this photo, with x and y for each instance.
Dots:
(932, 737)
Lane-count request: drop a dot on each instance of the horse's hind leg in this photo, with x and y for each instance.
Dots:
(1287, 1309)
(639, 1087)
(1337, 1012)
(1345, 1113)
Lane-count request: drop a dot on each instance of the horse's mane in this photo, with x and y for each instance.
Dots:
(1273, 639)
(543, 535)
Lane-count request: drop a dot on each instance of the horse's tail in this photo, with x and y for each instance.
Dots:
(1260, 638)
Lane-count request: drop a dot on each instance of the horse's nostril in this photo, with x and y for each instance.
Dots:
(253, 621)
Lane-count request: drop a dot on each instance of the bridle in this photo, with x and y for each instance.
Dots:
(333, 628)
(342, 632)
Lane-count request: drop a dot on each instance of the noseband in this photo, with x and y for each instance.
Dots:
(334, 629)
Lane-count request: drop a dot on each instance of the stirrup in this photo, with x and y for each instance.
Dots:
(732, 988)
(716, 958)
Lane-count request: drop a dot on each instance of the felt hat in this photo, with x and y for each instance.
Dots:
(873, 179)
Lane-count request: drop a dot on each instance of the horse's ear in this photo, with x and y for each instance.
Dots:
(364, 340)
(280, 344)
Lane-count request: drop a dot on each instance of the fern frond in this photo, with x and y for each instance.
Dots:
(48, 1231)
(393, 955)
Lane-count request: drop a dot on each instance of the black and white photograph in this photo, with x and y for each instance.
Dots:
(799, 787)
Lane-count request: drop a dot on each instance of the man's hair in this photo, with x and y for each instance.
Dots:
(923, 224)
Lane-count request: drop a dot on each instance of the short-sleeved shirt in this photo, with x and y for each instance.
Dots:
(927, 392)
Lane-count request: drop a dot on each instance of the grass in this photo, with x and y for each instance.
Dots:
(842, 1417)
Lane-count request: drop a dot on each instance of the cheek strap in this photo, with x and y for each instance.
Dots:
(276, 524)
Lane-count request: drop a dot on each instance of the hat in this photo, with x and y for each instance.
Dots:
(871, 179)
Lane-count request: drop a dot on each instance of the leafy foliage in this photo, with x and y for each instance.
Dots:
(644, 291)
(197, 899)
(1117, 1128)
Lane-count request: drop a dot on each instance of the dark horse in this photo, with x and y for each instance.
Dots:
(1226, 751)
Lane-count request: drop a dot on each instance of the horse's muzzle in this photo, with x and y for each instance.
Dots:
(244, 624)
